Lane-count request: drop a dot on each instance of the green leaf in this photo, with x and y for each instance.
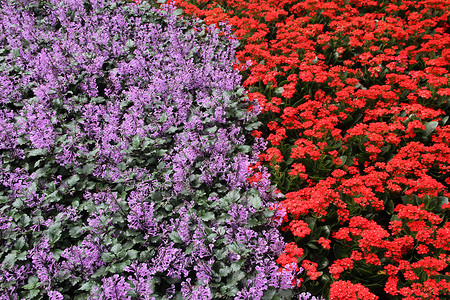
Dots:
(289, 161)
(441, 201)
(17, 203)
(163, 118)
(278, 91)
(177, 12)
(37, 152)
(233, 196)
(312, 246)
(116, 248)
(136, 141)
(22, 256)
(208, 216)
(286, 294)
(430, 127)
(175, 236)
(76, 231)
(237, 276)
(256, 202)
(33, 282)
(311, 222)
(24, 220)
(244, 148)
(389, 206)
(325, 231)
(94, 152)
(253, 126)
(19, 243)
(132, 254)
(120, 267)
(343, 159)
(225, 271)
(9, 260)
(72, 180)
(40, 172)
(32, 293)
(268, 295)
(129, 43)
(108, 257)
(100, 273)
(54, 232)
(87, 286)
(88, 168)
(341, 251)
(322, 263)
(211, 129)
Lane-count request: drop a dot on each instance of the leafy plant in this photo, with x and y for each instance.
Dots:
(125, 153)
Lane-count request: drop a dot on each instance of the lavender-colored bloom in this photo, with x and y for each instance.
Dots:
(288, 274)
(203, 271)
(195, 292)
(115, 288)
(5, 221)
(200, 249)
(54, 295)
(17, 275)
(141, 280)
(98, 222)
(183, 223)
(258, 147)
(43, 262)
(141, 213)
(308, 296)
(166, 256)
(85, 258)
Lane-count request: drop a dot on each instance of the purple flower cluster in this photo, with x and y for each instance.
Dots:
(124, 158)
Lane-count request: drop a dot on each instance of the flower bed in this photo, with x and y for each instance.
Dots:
(355, 97)
(124, 140)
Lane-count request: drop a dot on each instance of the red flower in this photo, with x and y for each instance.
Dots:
(299, 228)
(345, 290)
(325, 243)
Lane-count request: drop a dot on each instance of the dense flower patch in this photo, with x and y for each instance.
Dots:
(124, 139)
(355, 98)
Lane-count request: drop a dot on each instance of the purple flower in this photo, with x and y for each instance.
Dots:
(54, 295)
(43, 262)
(308, 296)
(203, 270)
(86, 258)
(165, 257)
(141, 213)
(195, 292)
(141, 280)
(115, 288)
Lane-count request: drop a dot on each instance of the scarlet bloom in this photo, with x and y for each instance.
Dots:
(256, 133)
(298, 169)
(299, 228)
(311, 269)
(325, 243)
(345, 290)
(273, 155)
(291, 254)
(339, 266)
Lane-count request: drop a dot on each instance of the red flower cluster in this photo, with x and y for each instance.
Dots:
(345, 290)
